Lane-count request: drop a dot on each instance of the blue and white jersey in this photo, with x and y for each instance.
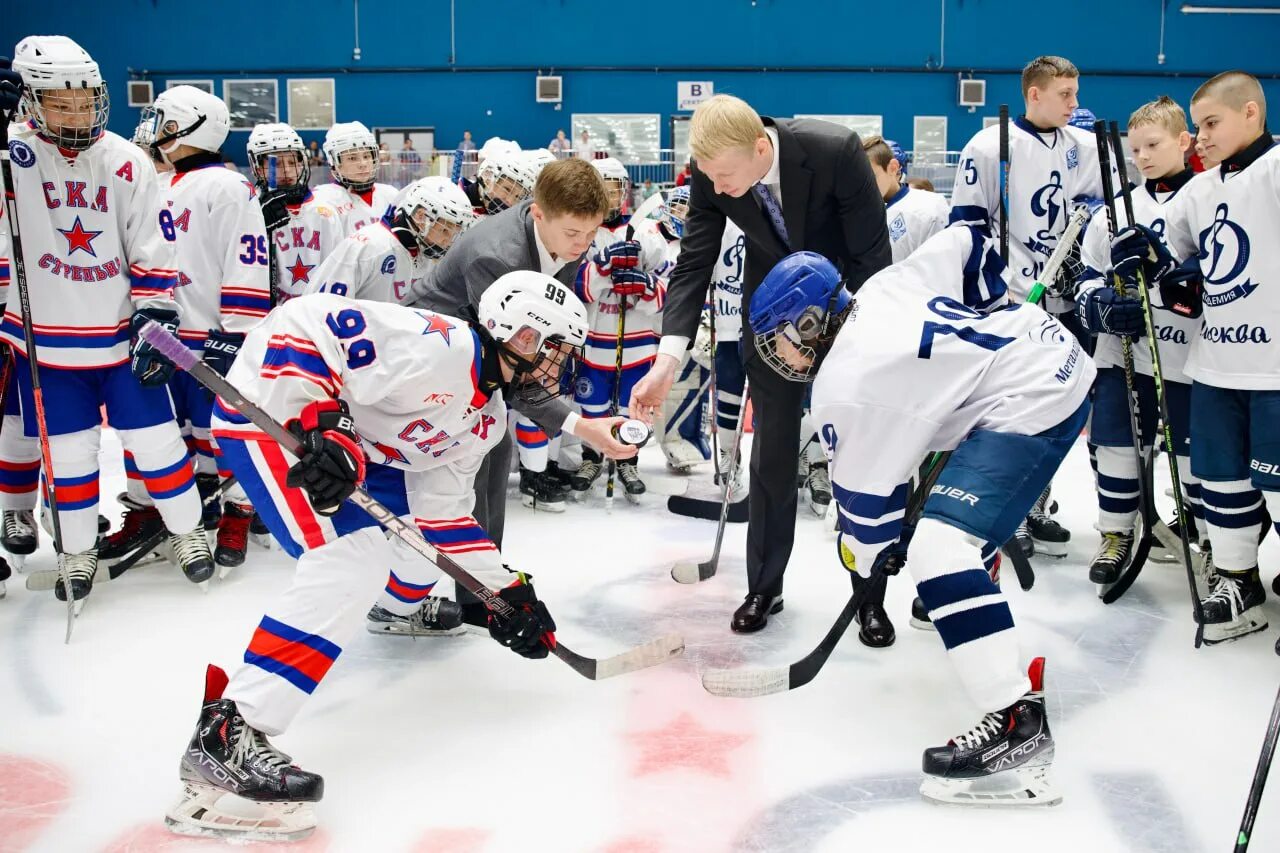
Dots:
(914, 216)
(1174, 332)
(726, 283)
(1228, 217)
(1048, 174)
(931, 351)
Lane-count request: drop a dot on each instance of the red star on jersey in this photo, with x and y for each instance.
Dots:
(685, 743)
(436, 323)
(301, 271)
(79, 239)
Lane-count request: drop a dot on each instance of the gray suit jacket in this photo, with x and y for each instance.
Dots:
(495, 246)
(830, 204)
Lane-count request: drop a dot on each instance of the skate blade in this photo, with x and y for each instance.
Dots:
(1056, 550)
(1225, 632)
(77, 606)
(17, 562)
(264, 541)
(921, 625)
(3, 591)
(817, 508)
(1022, 787)
(209, 812)
(541, 506)
(390, 630)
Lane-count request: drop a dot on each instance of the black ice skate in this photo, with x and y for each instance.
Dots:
(1023, 541)
(235, 783)
(437, 617)
(587, 474)
(1050, 537)
(5, 574)
(1233, 608)
(210, 511)
(633, 487)
(1002, 761)
(1114, 553)
(18, 535)
(920, 616)
(818, 489)
(562, 478)
(81, 569)
(233, 536)
(140, 525)
(540, 491)
(191, 553)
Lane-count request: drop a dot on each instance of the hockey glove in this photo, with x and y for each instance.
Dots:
(332, 464)
(220, 350)
(275, 208)
(632, 282)
(1103, 311)
(146, 362)
(530, 631)
(10, 90)
(1138, 247)
(1182, 290)
(623, 255)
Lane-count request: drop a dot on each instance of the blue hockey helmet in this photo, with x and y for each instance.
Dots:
(803, 301)
(898, 154)
(1083, 119)
(675, 208)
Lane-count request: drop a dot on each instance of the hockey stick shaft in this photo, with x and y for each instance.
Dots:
(1260, 774)
(1157, 375)
(1004, 183)
(617, 389)
(33, 360)
(726, 478)
(177, 352)
(273, 263)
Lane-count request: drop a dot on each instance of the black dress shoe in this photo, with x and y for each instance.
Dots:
(755, 612)
(875, 629)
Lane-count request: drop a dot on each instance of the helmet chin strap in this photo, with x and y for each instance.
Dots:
(172, 139)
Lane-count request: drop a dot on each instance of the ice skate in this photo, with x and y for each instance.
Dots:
(81, 570)
(1002, 761)
(191, 553)
(18, 536)
(210, 511)
(141, 523)
(633, 487)
(585, 477)
(1114, 554)
(920, 616)
(437, 617)
(540, 491)
(1233, 608)
(236, 785)
(1049, 536)
(735, 476)
(260, 534)
(233, 536)
(818, 489)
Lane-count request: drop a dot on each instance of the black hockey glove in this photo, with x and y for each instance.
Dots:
(220, 350)
(1138, 247)
(1103, 311)
(530, 631)
(146, 362)
(1182, 290)
(275, 208)
(332, 464)
(10, 90)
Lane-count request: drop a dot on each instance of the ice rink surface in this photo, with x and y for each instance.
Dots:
(457, 745)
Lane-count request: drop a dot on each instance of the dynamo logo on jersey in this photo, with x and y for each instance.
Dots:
(1045, 205)
(1224, 255)
(1073, 157)
(897, 228)
(21, 153)
(731, 258)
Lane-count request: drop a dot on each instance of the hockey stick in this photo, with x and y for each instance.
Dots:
(749, 683)
(273, 263)
(688, 571)
(33, 359)
(649, 654)
(1161, 400)
(1146, 505)
(617, 388)
(1259, 779)
(1004, 183)
(46, 579)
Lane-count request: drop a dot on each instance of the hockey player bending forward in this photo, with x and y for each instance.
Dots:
(423, 395)
(921, 360)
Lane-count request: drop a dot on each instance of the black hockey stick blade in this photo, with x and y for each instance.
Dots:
(1140, 552)
(1021, 565)
(705, 509)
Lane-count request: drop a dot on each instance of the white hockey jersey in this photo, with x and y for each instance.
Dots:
(726, 283)
(357, 210)
(371, 264)
(1227, 217)
(97, 246)
(222, 251)
(913, 217)
(1173, 331)
(315, 229)
(594, 287)
(1048, 174)
(923, 360)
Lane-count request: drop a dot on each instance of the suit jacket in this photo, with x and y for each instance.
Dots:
(831, 206)
(497, 245)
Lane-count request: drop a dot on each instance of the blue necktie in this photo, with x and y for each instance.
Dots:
(774, 210)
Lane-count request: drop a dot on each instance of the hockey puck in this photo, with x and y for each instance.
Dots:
(633, 432)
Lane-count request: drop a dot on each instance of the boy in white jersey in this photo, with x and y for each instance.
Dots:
(913, 215)
(627, 265)
(354, 193)
(923, 361)
(422, 395)
(301, 229)
(100, 261)
(1159, 141)
(1223, 229)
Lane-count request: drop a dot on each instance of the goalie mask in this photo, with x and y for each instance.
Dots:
(675, 209)
(184, 115)
(617, 185)
(279, 160)
(796, 312)
(540, 327)
(434, 212)
(505, 181)
(352, 153)
(62, 91)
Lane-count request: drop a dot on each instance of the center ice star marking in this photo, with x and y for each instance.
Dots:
(684, 743)
(301, 271)
(79, 239)
(436, 323)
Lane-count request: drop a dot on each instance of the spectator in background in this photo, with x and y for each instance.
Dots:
(409, 161)
(384, 154)
(559, 147)
(683, 177)
(466, 154)
(315, 157)
(920, 184)
(585, 149)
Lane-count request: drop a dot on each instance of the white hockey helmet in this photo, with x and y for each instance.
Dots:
(285, 145)
(616, 181)
(537, 158)
(542, 326)
(675, 208)
(505, 181)
(354, 172)
(495, 146)
(184, 115)
(62, 90)
(435, 212)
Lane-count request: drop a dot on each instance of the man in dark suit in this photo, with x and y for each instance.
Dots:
(790, 185)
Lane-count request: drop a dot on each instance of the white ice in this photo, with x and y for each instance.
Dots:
(459, 745)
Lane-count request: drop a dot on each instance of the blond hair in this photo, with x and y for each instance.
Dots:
(571, 187)
(878, 151)
(1162, 112)
(721, 123)
(1043, 70)
(1234, 89)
